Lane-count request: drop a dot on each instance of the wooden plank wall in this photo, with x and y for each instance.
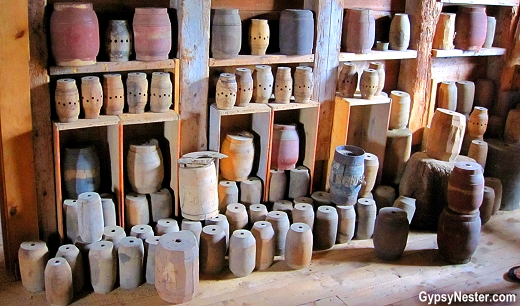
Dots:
(18, 201)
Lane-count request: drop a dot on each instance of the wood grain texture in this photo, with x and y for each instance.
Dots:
(18, 204)
(329, 17)
(114, 66)
(414, 76)
(258, 5)
(41, 119)
(377, 5)
(193, 54)
(503, 68)
(458, 68)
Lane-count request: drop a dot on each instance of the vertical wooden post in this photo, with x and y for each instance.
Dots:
(194, 24)
(415, 74)
(329, 17)
(41, 119)
(506, 36)
(18, 198)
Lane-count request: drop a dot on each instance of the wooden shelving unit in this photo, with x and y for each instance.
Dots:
(461, 53)
(168, 136)
(363, 123)
(113, 128)
(411, 72)
(104, 133)
(165, 127)
(259, 119)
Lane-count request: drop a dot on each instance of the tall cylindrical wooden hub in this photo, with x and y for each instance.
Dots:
(177, 267)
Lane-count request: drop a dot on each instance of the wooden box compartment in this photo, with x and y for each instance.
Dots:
(104, 135)
(121, 10)
(305, 116)
(383, 11)
(163, 127)
(362, 123)
(269, 10)
(255, 118)
(498, 9)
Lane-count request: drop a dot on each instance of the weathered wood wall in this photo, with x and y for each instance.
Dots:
(17, 175)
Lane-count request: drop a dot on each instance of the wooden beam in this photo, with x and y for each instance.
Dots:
(329, 18)
(506, 36)
(415, 74)
(41, 119)
(18, 201)
(194, 25)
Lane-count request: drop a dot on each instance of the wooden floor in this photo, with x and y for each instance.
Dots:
(346, 275)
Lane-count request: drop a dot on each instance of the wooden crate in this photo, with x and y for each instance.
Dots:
(256, 118)
(165, 127)
(104, 133)
(306, 117)
(362, 123)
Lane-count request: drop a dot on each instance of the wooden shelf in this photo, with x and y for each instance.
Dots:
(375, 55)
(247, 60)
(482, 2)
(103, 120)
(293, 105)
(148, 117)
(251, 108)
(461, 53)
(113, 67)
(124, 119)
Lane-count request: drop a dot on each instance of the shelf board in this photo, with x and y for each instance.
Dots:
(251, 108)
(292, 105)
(482, 2)
(103, 120)
(248, 60)
(358, 101)
(148, 117)
(461, 53)
(375, 55)
(113, 67)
